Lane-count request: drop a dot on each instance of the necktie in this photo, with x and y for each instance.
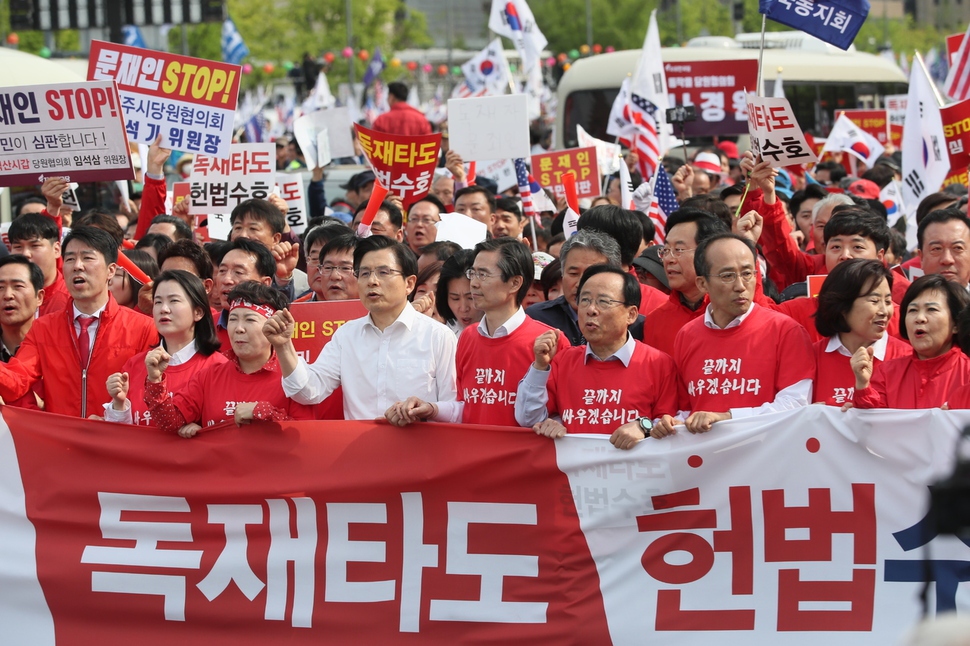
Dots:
(83, 340)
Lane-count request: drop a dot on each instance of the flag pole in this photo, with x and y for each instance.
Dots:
(936, 92)
(761, 57)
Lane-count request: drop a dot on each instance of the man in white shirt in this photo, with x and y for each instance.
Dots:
(390, 355)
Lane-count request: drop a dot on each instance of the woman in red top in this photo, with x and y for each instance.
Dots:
(855, 306)
(935, 368)
(184, 321)
(247, 387)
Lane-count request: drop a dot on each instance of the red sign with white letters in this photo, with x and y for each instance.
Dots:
(403, 164)
(317, 321)
(716, 89)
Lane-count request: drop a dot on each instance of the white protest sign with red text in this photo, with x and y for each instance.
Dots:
(72, 130)
(775, 134)
(219, 185)
(291, 191)
(189, 101)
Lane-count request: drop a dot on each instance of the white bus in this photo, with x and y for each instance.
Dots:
(818, 79)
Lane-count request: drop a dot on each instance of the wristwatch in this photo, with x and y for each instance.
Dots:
(646, 425)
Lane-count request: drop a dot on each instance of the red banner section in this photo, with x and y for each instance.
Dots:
(316, 322)
(875, 122)
(956, 129)
(403, 164)
(717, 90)
(549, 168)
(304, 533)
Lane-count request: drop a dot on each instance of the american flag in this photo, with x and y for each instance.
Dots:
(464, 91)
(256, 129)
(645, 141)
(957, 85)
(525, 190)
(663, 203)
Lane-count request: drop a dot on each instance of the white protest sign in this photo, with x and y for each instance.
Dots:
(323, 148)
(219, 185)
(608, 155)
(461, 229)
(71, 130)
(896, 108)
(219, 226)
(489, 127)
(501, 171)
(336, 121)
(291, 191)
(775, 134)
(69, 198)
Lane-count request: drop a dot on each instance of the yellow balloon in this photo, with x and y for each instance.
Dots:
(565, 67)
(395, 62)
(584, 49)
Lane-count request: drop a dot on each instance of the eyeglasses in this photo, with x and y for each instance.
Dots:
(676, 253)
(427, 221)
(602, 303)
(729, 277)
(472, 274)
(346, 270)
(382, 273)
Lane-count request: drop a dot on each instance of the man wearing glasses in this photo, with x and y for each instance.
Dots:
(739, 359)
(613, 384)
(390, 355)
(423, 216)
(331, 271)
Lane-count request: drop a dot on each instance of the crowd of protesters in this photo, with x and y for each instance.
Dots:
(602, 332)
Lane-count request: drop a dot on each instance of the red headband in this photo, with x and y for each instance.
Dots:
(265, 310)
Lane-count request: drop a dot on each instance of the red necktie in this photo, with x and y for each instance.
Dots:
(83, 340)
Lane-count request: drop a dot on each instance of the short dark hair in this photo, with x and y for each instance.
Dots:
(324, 233)
(514, 260)
(551, 274)
(620, 224)
(265, 263)
(931, 203)
(35, 273)
(405, 257)
(217, 250)
(631, 286)
(880, 175)
(509, 204)
(441, 249)
(470, 190)
(846, 282)
(810, 192)
(707, 223)
(33, 225)
(157, 241)
(182, 230)
(143, 260)
(431, 199)
(702, 267)
(939, 217)
(897, 244)
(394, 215)
(261, 211)
(648, 226)
(206, 340)
(856, 221)
(957, 298)
(98, 239)
(452, 268)
(713, 205)
(192, 251)
(101, 220)
(426, 274)
(729, 191)
(346, 242)
(258, 294)
(398, 90)
(19, 207)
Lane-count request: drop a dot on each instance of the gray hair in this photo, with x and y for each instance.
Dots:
(595, 241)
(830, 202)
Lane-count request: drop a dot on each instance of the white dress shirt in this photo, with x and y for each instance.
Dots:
(92, 329)
(413, 356)
(878, 348)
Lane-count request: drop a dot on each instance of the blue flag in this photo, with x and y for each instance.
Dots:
(132, 36)
(234, 50)
(375, 68)
(835, 21)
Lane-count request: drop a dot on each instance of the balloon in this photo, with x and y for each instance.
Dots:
(442, 70)
(13, 38)
(44, 52)
(551, 61)
(574, 53)
(328, 57)
(287, 65)
(412, 65)
(427, 68)
(348, 52)
(268, 68)
(562, 58)
(610, 49)
(565, 67)
(363, 55)
(456, 70)
(513, 67)
(395, 62)
(597, 49)
(584, 50)
(247, 69)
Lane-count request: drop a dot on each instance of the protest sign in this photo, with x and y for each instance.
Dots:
(875, 122)
(461, 229)
(608, 156)
(191, 102)
(308, 532)
(501, 171)
(219, 185)
(835, 22)
(72, 130)
(549, 168)
(336, 123)
(403, 164)
(291, 191)
(317, 321)
(956, 129)
(775, 134)
(896, 112)
(489, 127)
(717, 91)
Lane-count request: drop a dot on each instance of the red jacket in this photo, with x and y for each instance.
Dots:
(908, 382)
(152, 204)
(56, 296)
(50, 352)
(402, 119)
